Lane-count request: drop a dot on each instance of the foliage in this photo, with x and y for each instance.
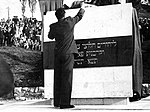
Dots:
(26, 65)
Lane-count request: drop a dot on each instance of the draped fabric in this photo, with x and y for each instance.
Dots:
(54, 4)
(50, 5)
(6, 78)
(137, 56)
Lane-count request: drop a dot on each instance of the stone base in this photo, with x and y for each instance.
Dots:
(98, 101)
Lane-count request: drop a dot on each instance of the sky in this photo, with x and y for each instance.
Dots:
(15, 9)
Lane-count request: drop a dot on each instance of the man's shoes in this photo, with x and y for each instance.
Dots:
(66, 106)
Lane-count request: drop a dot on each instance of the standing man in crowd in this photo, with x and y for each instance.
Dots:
(1, 37)
(65, 49)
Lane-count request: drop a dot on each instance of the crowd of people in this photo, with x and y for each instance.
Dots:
(25, 33)
(144, 28)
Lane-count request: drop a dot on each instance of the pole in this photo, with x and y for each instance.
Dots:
(32, 10)
(8, 11)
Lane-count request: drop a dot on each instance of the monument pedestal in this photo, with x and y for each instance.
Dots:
(96, 86)
(97, 101)
(102, 73)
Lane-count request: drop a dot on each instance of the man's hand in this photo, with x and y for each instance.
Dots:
(82, 11)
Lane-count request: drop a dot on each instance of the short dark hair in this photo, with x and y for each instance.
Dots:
(60, 13)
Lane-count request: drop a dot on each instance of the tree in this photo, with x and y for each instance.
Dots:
(32, 5)
(23, 2)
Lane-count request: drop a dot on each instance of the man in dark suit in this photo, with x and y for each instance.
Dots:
(1, 37)
(65, 49)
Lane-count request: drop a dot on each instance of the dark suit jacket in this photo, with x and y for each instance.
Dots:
(63, 32)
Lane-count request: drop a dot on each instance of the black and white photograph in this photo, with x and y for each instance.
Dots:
(74, 55)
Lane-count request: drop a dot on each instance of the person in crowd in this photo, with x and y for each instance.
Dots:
(7, 35)
(1, 37)
(15, 19)
(144, 28)
(65, 49)
(12, 33)
(18, 32)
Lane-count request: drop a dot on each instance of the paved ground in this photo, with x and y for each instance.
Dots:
(44, 106)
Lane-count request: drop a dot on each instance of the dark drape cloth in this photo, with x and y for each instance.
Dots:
(137, 56)
(50, 5)
(6, 78)
(54, 4)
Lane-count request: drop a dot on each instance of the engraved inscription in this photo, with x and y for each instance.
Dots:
(104, 52)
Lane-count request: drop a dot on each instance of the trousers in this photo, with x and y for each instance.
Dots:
(63, 75)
